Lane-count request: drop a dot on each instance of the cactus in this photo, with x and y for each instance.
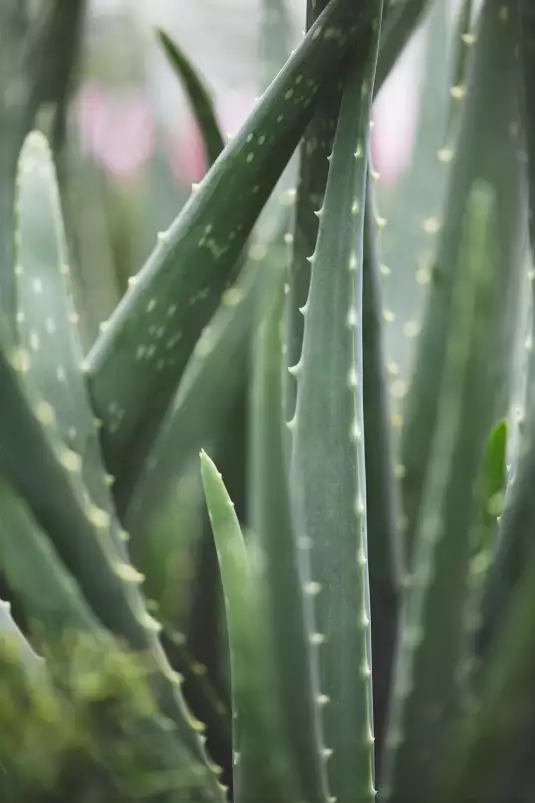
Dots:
(363, 658)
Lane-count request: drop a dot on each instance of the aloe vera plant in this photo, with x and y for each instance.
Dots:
(377, 598)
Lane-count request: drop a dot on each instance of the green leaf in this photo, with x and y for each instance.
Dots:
(198, 96)
(328, 472)
(137, 362)
(13, 28)
(79, 530)
(275, 39)
(410, 208)
(54, 602)
(288, 599)
(386, 558)
(311, 181)
(402, 18)
(47, 319)
(480, 748)
(489, 502)
(514, 543)
(518, 519)
(204, 395)
(13, 642)
(490, 125)
(257, 768)
(430, 672)
(463, 41)
(493, 480)
(527, 60)
(38, 53)
(36, 575)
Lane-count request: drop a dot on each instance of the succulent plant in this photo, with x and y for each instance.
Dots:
(372, 618)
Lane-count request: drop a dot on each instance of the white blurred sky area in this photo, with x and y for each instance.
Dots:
(127, 83)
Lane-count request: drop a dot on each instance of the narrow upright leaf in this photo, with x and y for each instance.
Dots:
(490, 497)
(257, 769)
(275, 38)
(386, 554)
(430, 671)
(462, 44)
(481, 741)
(328, 472)
(490, 125)
(515, 542)
(402, 18)
(311, 181)
(198, 95)
(527, 60)
(413, 205)
(289, 597)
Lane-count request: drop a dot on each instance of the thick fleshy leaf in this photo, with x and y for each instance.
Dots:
(135, 365)
(327, 465)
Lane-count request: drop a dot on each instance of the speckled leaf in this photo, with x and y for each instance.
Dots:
(430, 669)
(462, 43)
(13, 28)
(204, 394)
(36, 63)
(401, 19)
(136, 363)
(411, 210)
(518, 520)
(311, 181)
(490, 125)
(54, 603)
(328, 472)
(47, 319)
(78, 529)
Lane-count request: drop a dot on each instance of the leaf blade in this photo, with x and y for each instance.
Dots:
(132, 372)
(198, 95)
(328, 473)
